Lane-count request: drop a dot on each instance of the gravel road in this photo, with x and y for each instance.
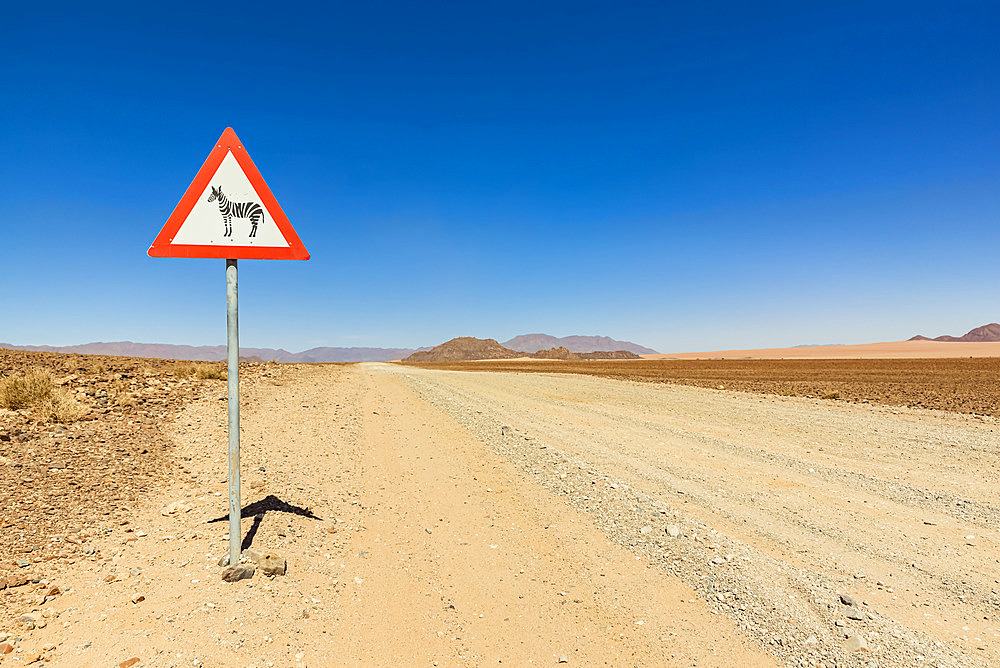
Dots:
(782, 508)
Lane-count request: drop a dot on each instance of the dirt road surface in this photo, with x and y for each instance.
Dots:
(454, 518)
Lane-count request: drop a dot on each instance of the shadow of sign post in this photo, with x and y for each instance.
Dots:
(258, 509)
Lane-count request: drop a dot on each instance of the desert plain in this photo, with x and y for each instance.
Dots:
(633, 513)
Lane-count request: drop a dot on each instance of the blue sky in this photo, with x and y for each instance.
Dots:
(689, 176)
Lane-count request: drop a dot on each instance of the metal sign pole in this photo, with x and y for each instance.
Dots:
(233, 375)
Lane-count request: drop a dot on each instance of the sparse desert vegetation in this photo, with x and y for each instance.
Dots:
(25, 389)
(201, 370)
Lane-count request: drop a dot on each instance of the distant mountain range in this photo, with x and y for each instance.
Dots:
(525, 343)
(532, 343)
(214, 353)
(990, 332)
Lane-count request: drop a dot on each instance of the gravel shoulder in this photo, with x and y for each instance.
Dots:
(780, 505)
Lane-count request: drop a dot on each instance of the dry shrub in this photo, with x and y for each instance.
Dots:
(59, 406)
(121, 390)
(34, 387)
(201, 371)
(120, 387)
(210, 372)
(185, 370)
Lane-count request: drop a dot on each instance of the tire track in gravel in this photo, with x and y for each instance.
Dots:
(798, 497)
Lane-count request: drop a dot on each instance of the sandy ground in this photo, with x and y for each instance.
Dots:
(887, 350)
(410, 541)
(469, 518)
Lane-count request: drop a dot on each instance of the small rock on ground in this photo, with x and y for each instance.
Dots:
(237, 572)
(855, 643)
(273, 564)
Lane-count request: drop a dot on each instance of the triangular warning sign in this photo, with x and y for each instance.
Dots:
(228, 212)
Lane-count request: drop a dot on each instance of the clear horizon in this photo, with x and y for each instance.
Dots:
(244, 346)
(690, 178)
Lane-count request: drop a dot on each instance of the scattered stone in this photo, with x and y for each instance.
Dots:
(718, 561)
(646, 529)
(855, 613)
(811, 640)
(33, 658)
(29, 619)
(855, 643)
(238, 572)
(563, 659)
(23, 563)
(6, 648)
(847, 599)
(673, 530)
(272, 564)
(53, 591)
(138, 598)
(128, 663)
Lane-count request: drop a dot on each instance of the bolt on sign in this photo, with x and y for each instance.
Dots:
(228, 212)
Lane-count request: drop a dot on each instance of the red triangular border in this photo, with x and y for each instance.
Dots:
(228, 142)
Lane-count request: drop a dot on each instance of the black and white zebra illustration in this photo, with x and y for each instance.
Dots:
(249, 210)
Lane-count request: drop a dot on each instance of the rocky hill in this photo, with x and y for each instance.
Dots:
(532, 343)
(467, 348)
(608, 355)
(990, 332)
(464, 348)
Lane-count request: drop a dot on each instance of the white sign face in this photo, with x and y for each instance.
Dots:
(229, 213)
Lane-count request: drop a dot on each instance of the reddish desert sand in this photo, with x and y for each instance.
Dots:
(885, 350)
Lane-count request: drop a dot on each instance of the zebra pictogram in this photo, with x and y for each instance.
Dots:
(249, 210)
